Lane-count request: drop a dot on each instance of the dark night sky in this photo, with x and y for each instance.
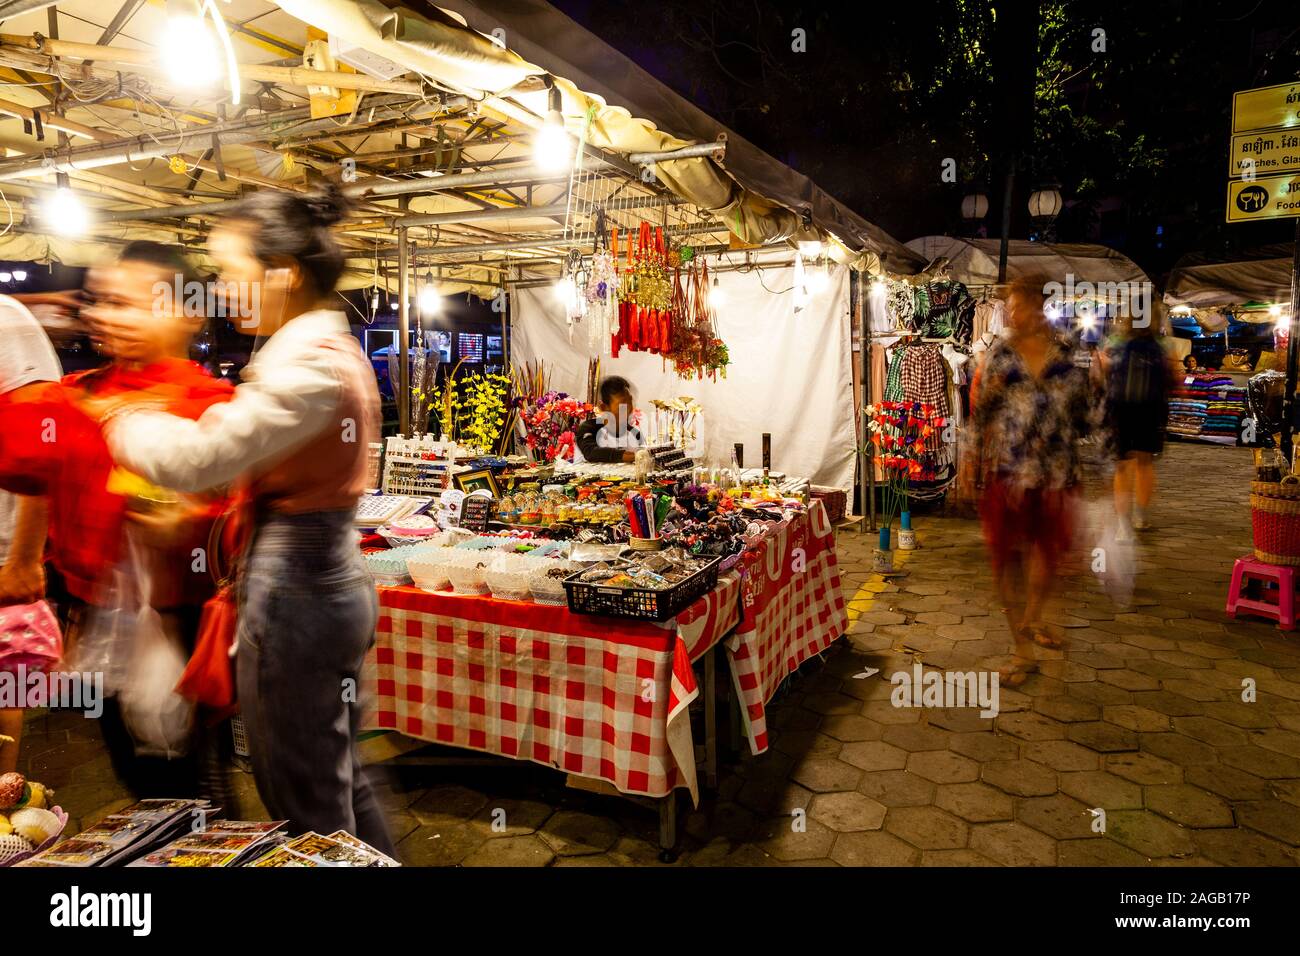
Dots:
(1136, 133)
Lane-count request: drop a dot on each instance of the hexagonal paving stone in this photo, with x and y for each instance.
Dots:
(884, 712)
(897, 788)
(773, 794)
(440, 845)
(805, 743)
(511, 818)
(448, 804)
(833, 703)
(1059, 816)
(779, 838)
(1095, 692)
(1066, 709)
(960, 720)
(875, 848)
(1168, 703)
(938, 617)
(570, 833)
(1239, 714)
(1022, 778)
(1282, 741)
(1151, 835)
(917, 737)
(723, 820)
(1273, 818)
(851, 727)
(1213, 732)
(976, 802)
(847, 812)
(1096, 788)
(824, 775)
(1096, 851)
(985, 747)
(1183, 751)
(1103, 737)
(943, 766)
(874, 755)
(1190, 806)
(1133, 717)
(1030, 726)
(1143, 768)
(1243, 848)
(511, 851)
(1228, 782)
(1013, 844)
(927, 827)
(1260, 762)
(954, 858)
(1062, 755)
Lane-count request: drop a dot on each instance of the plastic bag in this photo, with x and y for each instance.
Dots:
(1113, 559)
(101, 642)
(159, 719)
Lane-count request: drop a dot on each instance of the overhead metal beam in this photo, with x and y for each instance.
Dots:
(711, 150)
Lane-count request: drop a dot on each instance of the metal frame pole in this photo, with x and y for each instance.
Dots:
(403, 334)
(1292, 349)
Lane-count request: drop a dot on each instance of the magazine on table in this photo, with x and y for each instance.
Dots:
(122, 835)
(337, 849)
(222, 843)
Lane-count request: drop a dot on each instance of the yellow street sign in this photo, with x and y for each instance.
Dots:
(1276, 197)
(1266, 107)
(1265, 153)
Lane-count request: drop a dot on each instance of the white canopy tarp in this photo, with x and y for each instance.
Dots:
(1200, 284)
(790, 374)
(975, 261)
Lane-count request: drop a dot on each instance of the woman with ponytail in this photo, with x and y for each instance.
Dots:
(293, 443)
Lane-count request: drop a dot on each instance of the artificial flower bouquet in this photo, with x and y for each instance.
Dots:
(550, 421)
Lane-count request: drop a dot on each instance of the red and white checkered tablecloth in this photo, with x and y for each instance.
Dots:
(793, 609)
(594, 696)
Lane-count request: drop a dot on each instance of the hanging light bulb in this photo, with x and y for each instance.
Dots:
(429, 300)
(189, 49)
(64, 212)
(553, 150)
(374, 301)
(393, 305)
(20, 275)
(6, 277)
(819, 280)
(717, 295)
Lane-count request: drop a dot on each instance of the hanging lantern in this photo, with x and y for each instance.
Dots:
(1045, 203)
(975, 206)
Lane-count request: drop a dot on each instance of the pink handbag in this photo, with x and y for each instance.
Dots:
(29, 637)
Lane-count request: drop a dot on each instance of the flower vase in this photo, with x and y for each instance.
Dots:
(906, 536)
(883, 557)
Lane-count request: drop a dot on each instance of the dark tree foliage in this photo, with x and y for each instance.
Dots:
(1132, 121)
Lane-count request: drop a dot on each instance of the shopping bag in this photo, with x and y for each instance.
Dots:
(209, 678)
(29, 638)
(159, 719)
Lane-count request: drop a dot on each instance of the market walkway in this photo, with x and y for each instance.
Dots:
(1140, 717)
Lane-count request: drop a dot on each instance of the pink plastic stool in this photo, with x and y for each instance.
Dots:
(1247, 568)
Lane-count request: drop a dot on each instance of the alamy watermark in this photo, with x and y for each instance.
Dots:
(22, 689)
(946, 689)
(240, 302)
(1087, 300)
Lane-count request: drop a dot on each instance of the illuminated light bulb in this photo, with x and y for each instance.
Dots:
(6, 277)
(818, 282)
(65, 214)
(877, 289)
(1275, 310)
(393, 305)
(553, 150)
(1089, 322)
(717, 295)
(1283, 323)
(20, 275)
(1053, 312)
(428, 300)
(189, 50)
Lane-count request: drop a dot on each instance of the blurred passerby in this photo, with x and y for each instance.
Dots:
(26, 358)
(147, 336)
(1138, 376)
(1030, 407)
(295, 438)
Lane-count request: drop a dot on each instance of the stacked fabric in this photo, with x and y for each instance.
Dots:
(1186, 417)
(1209, 406)
(1224, 414)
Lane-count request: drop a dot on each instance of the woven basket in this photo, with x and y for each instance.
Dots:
(1275, 523)
(1274, 489)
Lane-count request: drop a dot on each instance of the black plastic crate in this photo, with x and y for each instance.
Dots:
(644, 604)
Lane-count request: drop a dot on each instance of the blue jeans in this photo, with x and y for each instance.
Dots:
(306, 620)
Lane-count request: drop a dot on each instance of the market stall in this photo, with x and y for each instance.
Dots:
(607, 220)
(1236, 316)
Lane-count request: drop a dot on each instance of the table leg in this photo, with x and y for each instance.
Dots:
(668, 828)
(711, 718)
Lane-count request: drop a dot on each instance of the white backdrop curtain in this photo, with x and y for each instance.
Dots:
(790, 373)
